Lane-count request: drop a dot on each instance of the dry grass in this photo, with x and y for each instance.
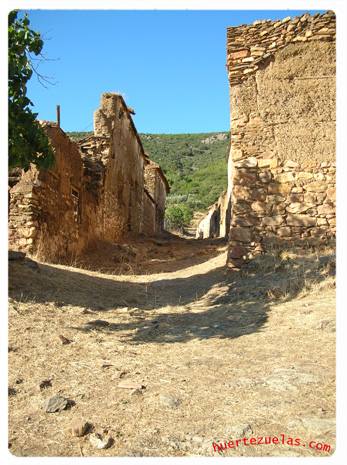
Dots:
(231, 351)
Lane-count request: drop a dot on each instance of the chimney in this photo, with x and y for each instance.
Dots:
(58, 115)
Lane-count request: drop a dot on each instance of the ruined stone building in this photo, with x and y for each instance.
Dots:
(217, 221)
(101, 188)
(281, 168)
(156, 188)
(282, 158)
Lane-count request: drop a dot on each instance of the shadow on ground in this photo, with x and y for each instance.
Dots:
(215, 304)
(143, 255)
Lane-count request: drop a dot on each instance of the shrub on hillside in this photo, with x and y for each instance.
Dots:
(177, 216)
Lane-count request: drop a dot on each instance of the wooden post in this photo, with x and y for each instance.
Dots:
(58, 115)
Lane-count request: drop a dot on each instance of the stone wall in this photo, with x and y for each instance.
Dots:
(158, 187)
(217, 221)
(45, 206)
(123, 158)
(95, 191)
(282, 158)
(149, 215)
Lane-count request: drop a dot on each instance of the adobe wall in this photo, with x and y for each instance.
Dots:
(149, 215)
(124, 168)
(158, 187)
(282, 158)
(44, 214)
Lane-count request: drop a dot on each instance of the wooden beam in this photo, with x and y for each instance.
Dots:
(58, 115)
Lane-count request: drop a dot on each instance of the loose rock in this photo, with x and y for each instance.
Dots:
(99, 441)
(64, 340)
(169, 401)
(56, 403)
(79, 427)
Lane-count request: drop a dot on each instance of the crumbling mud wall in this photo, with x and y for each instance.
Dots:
(123, 157)
(157, 186)
(45, 205)
(282, 157)
(95, 190)
(149, 216)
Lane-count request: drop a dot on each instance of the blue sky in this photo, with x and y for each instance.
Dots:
(169, 65)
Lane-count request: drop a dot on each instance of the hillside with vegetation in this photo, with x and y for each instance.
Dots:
(195, 166)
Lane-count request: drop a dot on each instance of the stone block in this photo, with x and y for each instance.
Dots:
(237, 251)
(320, 197)
(319, 177)
(278, 209)
(244, 177)
(239, 54)
(236, 154)
(285, 177)
(272, 220)
(310, 198)
(326, 209)
(295, 197)
(274, 188)
(332, 221)
(260, 207)
(284, 231)
(241, 192)
(300, 220)
(265, 176)
(250, 162)
(235, 263)
(258, 194)
(291, 164)
(275, 198)
(316, 186)
(241, 207)
(298, 207)
(266, 162)
(245, 221)
(304, 175)
(318, 232)
(331, 194)
(241, 234)
(257, 48)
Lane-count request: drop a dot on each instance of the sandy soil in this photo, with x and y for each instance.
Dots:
(221, 355)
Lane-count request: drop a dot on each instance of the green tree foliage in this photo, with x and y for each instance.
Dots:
(28, 142)
(177, 216)
(194, 164)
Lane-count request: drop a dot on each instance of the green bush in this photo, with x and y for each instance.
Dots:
(193, 168)
(177, 216)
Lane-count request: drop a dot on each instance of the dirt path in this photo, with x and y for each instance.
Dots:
(221, 355)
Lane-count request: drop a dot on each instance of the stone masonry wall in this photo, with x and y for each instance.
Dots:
(282, 158)
(217, 221)
(95, 191)
(149, 215)
(158, 187)
(124, 168)
(45, 206)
